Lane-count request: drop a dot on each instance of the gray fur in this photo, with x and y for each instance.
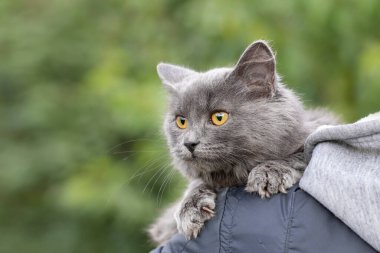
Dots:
(260, 145)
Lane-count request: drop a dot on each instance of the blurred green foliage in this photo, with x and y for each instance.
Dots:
(83, 163)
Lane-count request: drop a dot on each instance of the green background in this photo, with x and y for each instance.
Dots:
(81, 106)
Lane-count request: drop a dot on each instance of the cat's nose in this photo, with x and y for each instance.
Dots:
(191, 145)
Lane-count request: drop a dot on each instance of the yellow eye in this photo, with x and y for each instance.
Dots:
(219, 118)
(181, 122)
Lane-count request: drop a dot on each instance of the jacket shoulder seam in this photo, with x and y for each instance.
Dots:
(221, 219)
(290, 223)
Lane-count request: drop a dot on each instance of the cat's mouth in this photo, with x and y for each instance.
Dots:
(190, 157)
(198, 156)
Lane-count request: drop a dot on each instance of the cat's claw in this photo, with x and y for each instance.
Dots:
(270, 178)
(205, 208)
(194, 212)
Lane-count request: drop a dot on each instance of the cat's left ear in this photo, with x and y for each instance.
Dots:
(257, 69)
(171, 75)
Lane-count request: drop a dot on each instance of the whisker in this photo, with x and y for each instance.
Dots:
(163, 186)
(154, 175)
(146, 166)
(138, 173)
(136, 151)
(155, 138)
(159, 176)
(126, 142)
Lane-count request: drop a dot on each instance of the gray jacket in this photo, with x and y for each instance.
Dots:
(296, 222)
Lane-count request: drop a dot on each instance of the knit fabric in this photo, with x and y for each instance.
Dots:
(344, 174)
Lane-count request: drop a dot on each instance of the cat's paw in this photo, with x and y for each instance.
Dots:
(194, 212)
(271, 177)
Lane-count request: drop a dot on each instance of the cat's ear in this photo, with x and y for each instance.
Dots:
(171, 75)
(257, 69)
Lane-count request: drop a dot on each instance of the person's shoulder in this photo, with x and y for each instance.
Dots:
(292, 222)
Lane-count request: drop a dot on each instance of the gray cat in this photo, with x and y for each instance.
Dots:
(228, 127)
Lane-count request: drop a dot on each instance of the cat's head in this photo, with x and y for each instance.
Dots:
(230, 116)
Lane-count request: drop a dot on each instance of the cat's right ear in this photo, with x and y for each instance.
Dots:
(257, 69)
(171, 75)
